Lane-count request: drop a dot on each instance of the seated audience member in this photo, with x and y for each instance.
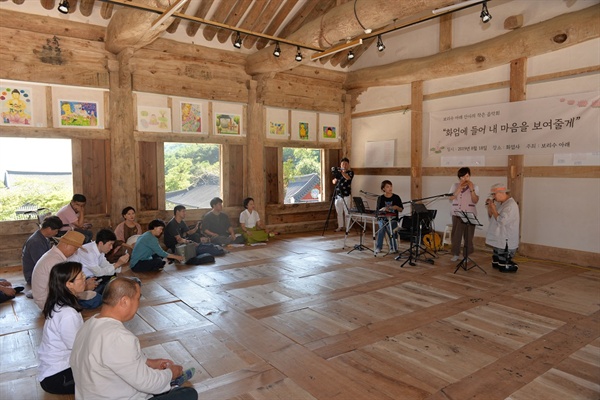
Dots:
(7, 291)
(147, 254)
(388, 203)
(73, 217)
(126, 230)
(177, 231)
(107, 360)
(253, 230)
(66, 247)
(217, 227)
(62, 321)
(39, 243)
(503, 232)
(92, 258)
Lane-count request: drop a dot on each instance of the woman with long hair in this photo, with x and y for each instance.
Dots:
(62, 321)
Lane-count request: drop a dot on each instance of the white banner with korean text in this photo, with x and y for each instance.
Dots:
(562, 124)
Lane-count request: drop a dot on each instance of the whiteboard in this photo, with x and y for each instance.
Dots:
(380, 153)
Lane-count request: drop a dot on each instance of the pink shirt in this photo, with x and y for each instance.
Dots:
(68, 216)
(463, 202)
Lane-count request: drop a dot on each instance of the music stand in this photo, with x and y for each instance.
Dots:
(415, 250)
(363, 225)
(467, 218)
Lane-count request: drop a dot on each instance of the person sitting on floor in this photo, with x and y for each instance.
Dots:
(7, 291)
(107, 360)
(62, 321)
(127, 232)
(39, 243)
(73, 217)
(252, 228)
(147, 254)
(66, 247)
(177, 231)
(217, 226)
(92, 258)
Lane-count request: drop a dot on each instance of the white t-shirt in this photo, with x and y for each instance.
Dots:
(57, 341)
(93, 262)
(108, 363)
(248, 219)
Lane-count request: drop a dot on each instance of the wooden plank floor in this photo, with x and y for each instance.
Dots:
(301, 318)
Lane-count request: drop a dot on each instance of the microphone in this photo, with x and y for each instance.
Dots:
(368, 193)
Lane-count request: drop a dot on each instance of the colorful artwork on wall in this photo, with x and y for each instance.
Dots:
(329, 132)
(154, 119)
(228, 124)
(277, 128)
(16, 106)
(191, 117)
(78, 113)
(303, 131)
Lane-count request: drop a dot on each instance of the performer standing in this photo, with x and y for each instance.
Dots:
(388, 202)
(465, 196)
(503, 233)
(344, 191)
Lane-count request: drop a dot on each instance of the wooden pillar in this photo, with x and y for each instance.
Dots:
(416, 140)
(123, 176)
(445, 32)
(256, 186)
(518, 92)
(346, 125)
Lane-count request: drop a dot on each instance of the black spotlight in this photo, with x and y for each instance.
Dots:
(380, 45)
(485, 14)
(350, 55)
(277, 51)
(298, 55)
(238, 41)
(63, 6)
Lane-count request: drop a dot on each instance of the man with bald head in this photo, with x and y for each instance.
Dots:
(107, 360)
(66, 247)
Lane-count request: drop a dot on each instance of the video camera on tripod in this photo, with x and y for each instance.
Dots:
(336, 172)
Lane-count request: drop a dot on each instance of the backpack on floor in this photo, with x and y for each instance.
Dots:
(200, 259)
(212, 249)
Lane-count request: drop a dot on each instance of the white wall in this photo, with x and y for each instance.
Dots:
(557, 212)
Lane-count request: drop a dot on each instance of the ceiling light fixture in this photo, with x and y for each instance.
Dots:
(277, 51)
(299, 55)
(238, 41)
(485, 14)
(63, 6)
(380, 45)
(336, 49)
(350, 55)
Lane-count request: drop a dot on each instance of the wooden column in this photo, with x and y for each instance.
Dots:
(445, 32)
(122, 156)
(518, 92)
(256, 186)
(416, 141)
(347, 127)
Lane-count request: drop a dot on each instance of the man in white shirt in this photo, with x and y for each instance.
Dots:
(92, 257)
(107, 360)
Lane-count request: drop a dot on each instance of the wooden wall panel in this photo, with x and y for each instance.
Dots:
(94, 175)
(271, 174)
(148, 176)
(236, 175)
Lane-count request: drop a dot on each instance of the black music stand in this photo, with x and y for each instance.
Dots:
(415, 250)
(363, 224)
(467, 218)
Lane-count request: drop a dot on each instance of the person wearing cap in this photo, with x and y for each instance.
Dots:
(66, 247)
(465, 195)
(503, 232)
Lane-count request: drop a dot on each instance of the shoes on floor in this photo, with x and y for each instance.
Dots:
(338, 229)
(186, 376)
(377, 251)
(454, 258)
(18, 289)
(29, 294)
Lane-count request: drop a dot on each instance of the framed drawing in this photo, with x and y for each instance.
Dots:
(304, 126)
(16, 106)
(190, 116)
(154, 119)
(228, 119)
(277, 123)
(329, 127)
(75, 113)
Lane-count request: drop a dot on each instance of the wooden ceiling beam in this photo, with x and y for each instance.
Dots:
(176, 21)
(224, 8)
(261, 23)
(276, 22)
(233, 19)
(86, 7)
(201, 13)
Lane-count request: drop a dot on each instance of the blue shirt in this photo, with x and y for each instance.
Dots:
(145, 247)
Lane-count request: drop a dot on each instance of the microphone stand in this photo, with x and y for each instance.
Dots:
(415, 246)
